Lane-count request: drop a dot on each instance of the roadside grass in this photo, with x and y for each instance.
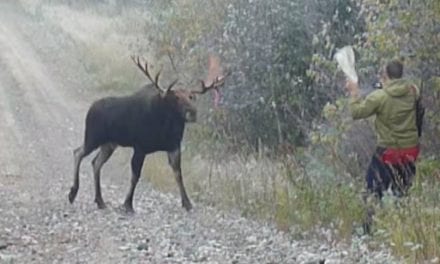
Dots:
(281, 192)
(411, 226)
(265, 189)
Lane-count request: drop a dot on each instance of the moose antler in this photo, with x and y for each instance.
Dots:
(219, 81)
(215, 77)
(155, 81)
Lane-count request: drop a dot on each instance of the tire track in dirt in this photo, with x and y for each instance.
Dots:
(40, 125)
(34, 111)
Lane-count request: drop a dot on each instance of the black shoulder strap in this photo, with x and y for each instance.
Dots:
(419, 108)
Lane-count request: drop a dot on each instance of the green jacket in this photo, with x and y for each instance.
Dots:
(394, 108)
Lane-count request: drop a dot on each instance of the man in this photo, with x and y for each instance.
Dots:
(394, 106)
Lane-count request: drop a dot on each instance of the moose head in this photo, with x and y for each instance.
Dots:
(183, 99)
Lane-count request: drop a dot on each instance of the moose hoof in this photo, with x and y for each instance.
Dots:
(128, 209)
(72, 195)
(101, 205)
(187, 205)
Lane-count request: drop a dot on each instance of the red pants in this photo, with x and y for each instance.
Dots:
(400, 156)
(392, 167)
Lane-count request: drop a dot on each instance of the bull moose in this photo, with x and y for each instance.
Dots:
(150, 120)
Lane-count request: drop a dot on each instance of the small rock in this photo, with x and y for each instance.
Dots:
(323, 248)
(143, 246)
(251, 239)
(124, 248)
(28, 240)
(3, 245)
(202, 259)
(7, 258)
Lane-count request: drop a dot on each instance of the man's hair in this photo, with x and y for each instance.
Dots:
(394, 69)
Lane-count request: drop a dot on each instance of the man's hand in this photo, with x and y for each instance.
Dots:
(352, 87)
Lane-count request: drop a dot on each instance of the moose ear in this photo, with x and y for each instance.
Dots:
(170, 87)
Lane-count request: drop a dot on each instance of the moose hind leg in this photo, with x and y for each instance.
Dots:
(100, 159)
(79, 154)
(136, 166)
(174, 159)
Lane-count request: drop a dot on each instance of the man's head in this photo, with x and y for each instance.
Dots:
(394, 69)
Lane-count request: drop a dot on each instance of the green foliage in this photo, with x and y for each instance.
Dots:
(269, 45)
(179, 33)
(412, 227)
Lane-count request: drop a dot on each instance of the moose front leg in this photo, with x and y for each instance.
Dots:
(136, 166)
(174, 158)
